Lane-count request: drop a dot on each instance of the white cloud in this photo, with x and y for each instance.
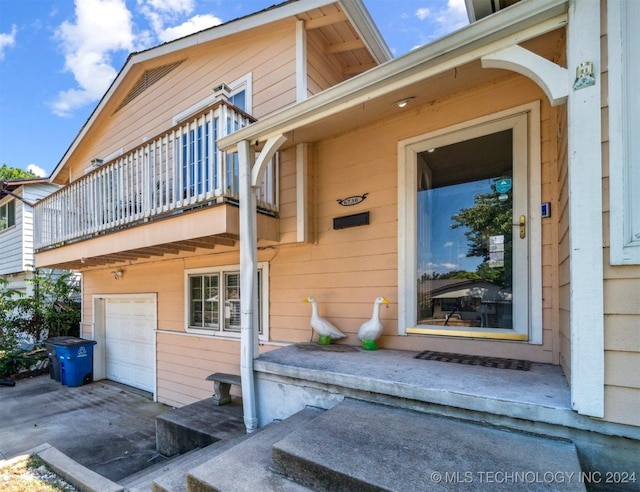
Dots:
(449, 18)
(164, 14)
(453, 16)
(448, 244)
(101, 28)
(7, 40)
(422, 14)
(37, 170)
(195, 24)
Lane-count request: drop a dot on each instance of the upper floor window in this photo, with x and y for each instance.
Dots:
(213, 300)
(7, 214)
(623, 38)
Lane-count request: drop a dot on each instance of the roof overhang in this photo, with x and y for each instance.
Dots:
(518, 24)
(355, 11)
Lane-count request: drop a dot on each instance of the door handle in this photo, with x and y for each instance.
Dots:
(522, 224)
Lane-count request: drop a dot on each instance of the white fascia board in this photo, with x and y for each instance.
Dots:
(217, 32)
(367, 29)
(507, 28)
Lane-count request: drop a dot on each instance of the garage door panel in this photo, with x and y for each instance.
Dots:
(130, 342)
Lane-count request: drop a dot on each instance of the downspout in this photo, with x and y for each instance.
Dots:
(248, 283)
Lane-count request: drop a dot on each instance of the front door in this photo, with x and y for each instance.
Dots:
(471, 232)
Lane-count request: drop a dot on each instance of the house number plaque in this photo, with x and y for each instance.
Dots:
(352, 200)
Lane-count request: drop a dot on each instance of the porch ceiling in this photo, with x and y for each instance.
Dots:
(207, 228)
(427, 91)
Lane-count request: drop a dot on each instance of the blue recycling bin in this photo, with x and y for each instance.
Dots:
(75, 356)
(54, 363)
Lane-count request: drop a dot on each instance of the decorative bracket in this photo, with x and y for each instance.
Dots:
(552, 78)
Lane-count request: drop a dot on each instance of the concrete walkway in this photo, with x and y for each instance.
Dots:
(107, 427)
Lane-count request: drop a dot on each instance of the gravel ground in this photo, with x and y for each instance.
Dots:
(28, 474)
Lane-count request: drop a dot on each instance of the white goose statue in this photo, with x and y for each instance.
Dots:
(325, 330)
(372, 329)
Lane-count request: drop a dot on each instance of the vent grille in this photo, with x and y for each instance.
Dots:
(146, 80)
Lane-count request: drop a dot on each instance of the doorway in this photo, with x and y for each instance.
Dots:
(470, 238)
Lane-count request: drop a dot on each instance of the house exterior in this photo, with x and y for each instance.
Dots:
(17, 198)
(503, 153)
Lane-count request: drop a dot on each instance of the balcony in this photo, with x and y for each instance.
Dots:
(179, 172)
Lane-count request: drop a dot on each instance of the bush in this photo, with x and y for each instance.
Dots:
(52, 310)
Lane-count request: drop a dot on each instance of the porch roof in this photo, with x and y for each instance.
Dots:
(436, 70)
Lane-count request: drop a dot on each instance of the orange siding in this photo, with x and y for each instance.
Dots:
(621, 298)
(346, 269)
(322, 72)
(269, 53)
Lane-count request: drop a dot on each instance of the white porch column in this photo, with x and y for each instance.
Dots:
(585, 213)
(248, 284)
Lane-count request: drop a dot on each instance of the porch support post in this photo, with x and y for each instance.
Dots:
(248, 283)
(586, 299)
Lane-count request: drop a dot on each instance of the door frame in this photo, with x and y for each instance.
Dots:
(528, 115)
(99, 334)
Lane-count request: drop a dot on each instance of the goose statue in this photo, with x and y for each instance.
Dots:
(372, 329)
(325, 330)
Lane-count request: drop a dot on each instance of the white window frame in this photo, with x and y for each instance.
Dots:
(624, 134)
(244, 83)
(221, 270)
(407, 211)
(5, 206)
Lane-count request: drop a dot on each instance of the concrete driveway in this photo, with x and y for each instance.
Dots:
(107, 427)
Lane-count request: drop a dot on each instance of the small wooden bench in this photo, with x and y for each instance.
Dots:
(222, 385)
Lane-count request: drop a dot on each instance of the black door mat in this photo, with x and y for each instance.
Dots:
(475, 360)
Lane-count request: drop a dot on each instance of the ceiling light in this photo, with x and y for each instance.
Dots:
(403, 102)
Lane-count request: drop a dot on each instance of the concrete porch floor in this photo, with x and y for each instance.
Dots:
(537, 401)
(540, 394)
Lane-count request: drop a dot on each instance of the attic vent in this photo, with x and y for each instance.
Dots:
(146, 80)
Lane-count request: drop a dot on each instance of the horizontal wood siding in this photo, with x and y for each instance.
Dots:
(268, 53)
(564, 249)
(322, 71)
(621, 300)
(347, 269)
(13, 254)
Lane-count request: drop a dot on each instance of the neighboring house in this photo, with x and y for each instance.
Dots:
(17, 199)
(364, 185)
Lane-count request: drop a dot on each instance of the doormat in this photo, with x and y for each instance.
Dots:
(475, 360)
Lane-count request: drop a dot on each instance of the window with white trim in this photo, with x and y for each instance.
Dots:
(623, 39)
(7, 214)
(213, 300)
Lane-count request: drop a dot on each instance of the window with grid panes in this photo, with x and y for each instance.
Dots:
(214, 301)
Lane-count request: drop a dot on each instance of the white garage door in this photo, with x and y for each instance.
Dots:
(130, 341)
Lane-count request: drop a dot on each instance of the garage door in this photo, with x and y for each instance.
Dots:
(130, 341)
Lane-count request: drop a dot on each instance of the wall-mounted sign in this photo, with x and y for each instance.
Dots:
(352, 200)
(503, 185)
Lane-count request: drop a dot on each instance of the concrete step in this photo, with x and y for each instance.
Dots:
(175, 478)
(364, 446)
(143, 480)
(247, 467)
(198, 425)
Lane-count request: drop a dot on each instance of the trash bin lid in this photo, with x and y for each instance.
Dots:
(72, 342)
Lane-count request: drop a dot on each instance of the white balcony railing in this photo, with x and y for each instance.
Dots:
(178, 170)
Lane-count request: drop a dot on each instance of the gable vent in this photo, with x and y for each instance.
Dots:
(146, 80)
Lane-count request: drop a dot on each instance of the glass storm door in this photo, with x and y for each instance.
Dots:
(471, 232)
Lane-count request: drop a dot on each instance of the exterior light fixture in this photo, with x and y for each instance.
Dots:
(117, 274)
(403, 102)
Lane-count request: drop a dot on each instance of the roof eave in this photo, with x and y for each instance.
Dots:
(464, 45)
(353, 9)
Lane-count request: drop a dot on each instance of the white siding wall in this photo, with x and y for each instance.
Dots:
(16, 243)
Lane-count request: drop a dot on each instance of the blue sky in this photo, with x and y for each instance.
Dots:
(58, 57)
